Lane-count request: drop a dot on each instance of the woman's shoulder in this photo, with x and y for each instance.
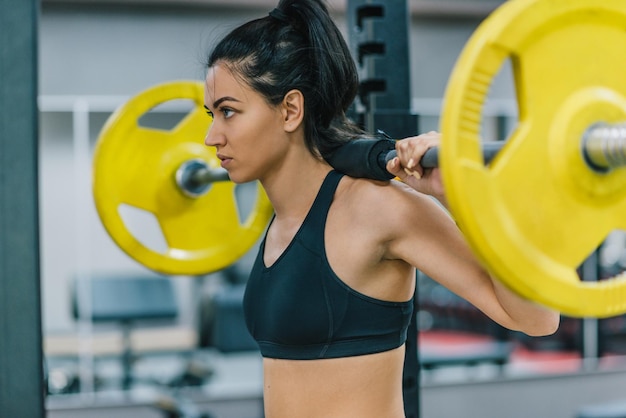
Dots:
(383, 193)
(367, 198)
(386, 201)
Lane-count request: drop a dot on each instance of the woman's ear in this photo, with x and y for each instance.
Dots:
(293, 110)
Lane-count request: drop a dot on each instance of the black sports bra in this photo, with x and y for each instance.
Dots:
(299, 309)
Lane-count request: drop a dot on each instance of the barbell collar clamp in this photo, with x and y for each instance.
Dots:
(604, 146)
(194, 177)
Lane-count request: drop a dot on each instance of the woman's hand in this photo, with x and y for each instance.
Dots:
(407, 168)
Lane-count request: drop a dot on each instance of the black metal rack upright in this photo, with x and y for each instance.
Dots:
(378, 34)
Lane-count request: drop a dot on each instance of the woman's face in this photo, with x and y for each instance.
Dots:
(246, 131)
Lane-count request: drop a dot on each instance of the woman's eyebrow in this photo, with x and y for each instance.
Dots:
(223, 99)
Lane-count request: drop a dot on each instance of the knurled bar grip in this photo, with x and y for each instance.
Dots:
(431, 157)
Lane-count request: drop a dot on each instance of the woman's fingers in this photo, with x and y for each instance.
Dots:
(411, 150)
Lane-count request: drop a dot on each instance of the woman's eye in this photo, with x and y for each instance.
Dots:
(227, 112)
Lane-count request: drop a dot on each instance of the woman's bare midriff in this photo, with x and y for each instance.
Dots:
(367, 386)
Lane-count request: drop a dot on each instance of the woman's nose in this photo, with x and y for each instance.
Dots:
(213, 138)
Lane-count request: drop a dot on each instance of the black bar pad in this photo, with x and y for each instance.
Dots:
(367, 158)
(361, 158)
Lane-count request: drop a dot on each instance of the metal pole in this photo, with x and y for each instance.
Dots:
(590, 327)
(21, 358)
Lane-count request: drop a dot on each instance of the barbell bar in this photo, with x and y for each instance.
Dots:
(194, 177)
(603, 147)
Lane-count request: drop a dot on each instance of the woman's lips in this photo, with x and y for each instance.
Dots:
(224, 160)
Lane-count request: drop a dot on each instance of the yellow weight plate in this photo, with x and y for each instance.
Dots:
(135, 165)
(537, 211)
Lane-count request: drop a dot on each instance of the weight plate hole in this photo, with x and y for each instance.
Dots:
(500, 116)
(612, 255)
(245, 195)
(144, 226)
(166, 116)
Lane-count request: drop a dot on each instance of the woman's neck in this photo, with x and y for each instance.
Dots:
(293, 187)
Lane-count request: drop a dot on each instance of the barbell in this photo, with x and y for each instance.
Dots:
(545, 199)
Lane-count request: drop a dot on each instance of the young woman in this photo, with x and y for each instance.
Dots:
(329, 296)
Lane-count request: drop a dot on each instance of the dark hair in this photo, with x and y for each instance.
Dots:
(298, 46)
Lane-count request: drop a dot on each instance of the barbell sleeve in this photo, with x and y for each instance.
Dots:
(604, 146)
(361, 158)
(209, 175)
(194, 177)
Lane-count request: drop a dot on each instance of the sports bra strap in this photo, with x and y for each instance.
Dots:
(321, 205)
